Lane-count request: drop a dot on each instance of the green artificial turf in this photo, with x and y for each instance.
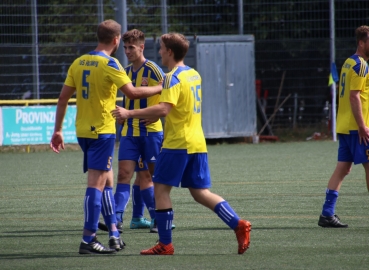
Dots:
(279, 187)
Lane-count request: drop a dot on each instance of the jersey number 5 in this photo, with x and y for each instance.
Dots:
(197, 100)
(85, 84)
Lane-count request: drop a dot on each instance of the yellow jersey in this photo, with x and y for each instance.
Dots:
(96, 77)
(182, 129)
(354, 76)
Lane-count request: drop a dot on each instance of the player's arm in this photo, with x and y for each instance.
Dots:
(357, 112)
(141, 92)
(57, 140)
(153, 112)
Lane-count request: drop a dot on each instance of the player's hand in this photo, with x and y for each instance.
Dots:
(364, 135)
(120, 121)
(119, 113)
(147, 122)
(57, 142)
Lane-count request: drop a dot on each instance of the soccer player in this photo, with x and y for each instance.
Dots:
(183, 158)
(95, 78)
(352, 125)
(140, 142)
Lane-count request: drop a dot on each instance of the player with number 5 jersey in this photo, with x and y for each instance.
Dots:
(95, 78)
(95, 96)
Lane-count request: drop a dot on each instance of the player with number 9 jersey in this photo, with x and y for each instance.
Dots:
(354, 76)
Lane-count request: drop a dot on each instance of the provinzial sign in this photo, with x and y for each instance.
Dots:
(34, 125)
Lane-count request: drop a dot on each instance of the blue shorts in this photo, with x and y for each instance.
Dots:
(98, 153)
(350, 150)
(177, 168)
(147, 147)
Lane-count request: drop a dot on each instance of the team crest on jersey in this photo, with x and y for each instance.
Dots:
(145, 81)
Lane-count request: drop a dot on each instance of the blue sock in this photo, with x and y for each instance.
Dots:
(121, 198)
(330, 203)
(138, 205)
(227, 214)
(108, 210)
(148, 198)
(164, 220)
(92, 208)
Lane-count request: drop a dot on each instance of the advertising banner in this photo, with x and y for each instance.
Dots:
(34, 125)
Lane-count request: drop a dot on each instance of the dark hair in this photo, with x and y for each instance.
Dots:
(177, 43)
(107, 31)
(361, 33)
(133, 35)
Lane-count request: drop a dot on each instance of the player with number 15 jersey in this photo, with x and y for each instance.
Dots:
(183, 130)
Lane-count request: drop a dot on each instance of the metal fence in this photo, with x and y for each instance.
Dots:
(40, 38)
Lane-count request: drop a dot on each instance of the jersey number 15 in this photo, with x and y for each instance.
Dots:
(197, 99)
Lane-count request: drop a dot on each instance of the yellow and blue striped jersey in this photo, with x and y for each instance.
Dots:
(96, 77)
(354, 76)
(183, 130)
(148, 75)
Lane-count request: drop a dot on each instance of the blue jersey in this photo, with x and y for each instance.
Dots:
(149, 74)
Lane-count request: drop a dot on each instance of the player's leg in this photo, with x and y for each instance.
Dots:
(164, 218)
(127, 156)
(147, 192)
(122, 191)
(149, 148)
(328, 218)
(138, 206)
(197, 178)
(168, 173)
(346, 155)
(108, 212)
(97, 161)
(366, 168)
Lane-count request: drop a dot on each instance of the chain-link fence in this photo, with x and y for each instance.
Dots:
(40, 39)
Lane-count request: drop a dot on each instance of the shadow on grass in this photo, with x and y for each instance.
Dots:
(253, 228)
(57, 255)
(40, 231)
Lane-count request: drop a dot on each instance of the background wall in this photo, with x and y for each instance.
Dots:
(292, 44)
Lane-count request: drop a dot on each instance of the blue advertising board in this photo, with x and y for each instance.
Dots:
(34, 125)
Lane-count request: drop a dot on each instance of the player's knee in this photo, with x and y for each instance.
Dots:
(146, 180)
(197, 195)
(123, 177)
(347, 171)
